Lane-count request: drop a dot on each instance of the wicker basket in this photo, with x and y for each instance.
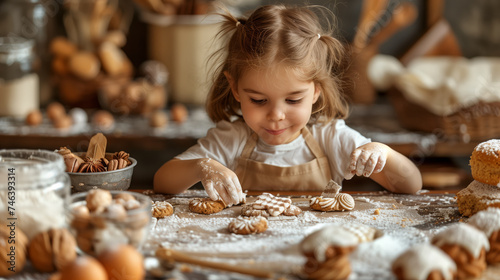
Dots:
(475, 123)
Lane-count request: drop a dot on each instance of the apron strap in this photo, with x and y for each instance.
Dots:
(312, 144)
(249, 146)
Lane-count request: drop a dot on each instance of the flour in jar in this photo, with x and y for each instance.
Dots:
(19, 96)
(35, 210)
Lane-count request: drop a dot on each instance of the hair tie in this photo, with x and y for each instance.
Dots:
(319, 36)
(237, 23)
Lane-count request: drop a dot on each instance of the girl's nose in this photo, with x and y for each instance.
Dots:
(276, 113)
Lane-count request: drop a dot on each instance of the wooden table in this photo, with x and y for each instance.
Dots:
(404, 219)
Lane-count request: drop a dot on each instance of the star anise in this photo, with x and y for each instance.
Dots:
(91, 165)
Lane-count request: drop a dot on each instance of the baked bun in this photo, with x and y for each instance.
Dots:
(424, 262)
(485, 162)
(476, 197)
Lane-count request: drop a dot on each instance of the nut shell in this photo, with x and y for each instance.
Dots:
(103, 119)
(34, 118)
(51, 250)
(21, 242)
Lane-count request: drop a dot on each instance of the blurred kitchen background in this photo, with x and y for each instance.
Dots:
(136, 71)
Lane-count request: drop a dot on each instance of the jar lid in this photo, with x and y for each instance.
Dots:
(14, 49)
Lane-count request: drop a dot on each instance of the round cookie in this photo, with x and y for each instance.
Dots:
(339, 202)
(205, 206)
(485, 162)
(161, 209)
(424, 261)
(248, 225)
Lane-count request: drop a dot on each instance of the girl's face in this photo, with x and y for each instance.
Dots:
(275, 104)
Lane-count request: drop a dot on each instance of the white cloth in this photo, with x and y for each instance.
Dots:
(441, 84)
(225, 143)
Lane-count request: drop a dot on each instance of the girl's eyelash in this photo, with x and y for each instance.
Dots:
(262, 101)
(296, 101)
(258, 101)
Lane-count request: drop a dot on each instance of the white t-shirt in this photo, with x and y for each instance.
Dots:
(226, 141)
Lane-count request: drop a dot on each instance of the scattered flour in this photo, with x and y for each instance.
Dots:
(206, 236)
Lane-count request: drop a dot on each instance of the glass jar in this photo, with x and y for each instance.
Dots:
(34, 190)
(37, 20)
(19, 82)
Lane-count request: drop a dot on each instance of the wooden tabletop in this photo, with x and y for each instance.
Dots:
(404, 220)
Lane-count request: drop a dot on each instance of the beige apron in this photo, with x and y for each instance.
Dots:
(258, 176)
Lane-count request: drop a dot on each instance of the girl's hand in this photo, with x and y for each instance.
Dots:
(220, 182)
(367, 159)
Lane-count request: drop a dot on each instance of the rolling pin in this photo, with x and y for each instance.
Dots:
(168, 254)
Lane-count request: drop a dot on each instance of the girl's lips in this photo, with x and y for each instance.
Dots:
(275, 132)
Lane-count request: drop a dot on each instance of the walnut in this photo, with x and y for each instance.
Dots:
(21, 241)
(81, 217)
(51, 250)
(98, 199)
(91, 165)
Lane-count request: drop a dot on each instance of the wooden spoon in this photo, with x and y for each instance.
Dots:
(97, 146)
(402, 16)
(372, 10)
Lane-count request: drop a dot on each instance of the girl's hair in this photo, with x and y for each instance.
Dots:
(279, 35)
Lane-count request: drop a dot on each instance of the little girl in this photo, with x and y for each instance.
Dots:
(278, 108)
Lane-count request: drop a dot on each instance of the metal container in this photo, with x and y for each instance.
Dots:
(118, 180)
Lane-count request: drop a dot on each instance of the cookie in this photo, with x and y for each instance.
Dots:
(205, 206)
(292, 210)
(339, 202)
(467, 247)
(161, 209)
(248, 211)
(274, 205)
(248, 225)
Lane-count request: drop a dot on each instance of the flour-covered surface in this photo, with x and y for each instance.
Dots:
(404, 219)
